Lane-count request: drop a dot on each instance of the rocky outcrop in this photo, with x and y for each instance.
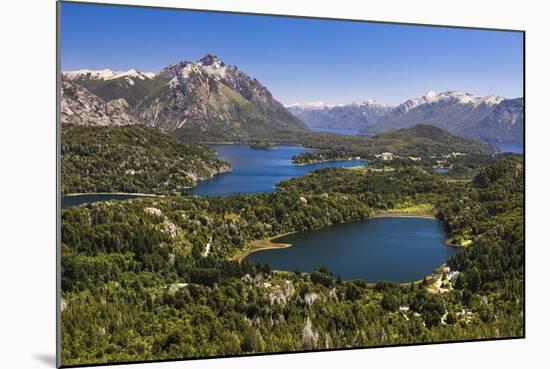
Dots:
(79, 106)
(309, 336)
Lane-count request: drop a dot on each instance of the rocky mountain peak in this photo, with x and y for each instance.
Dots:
(211, 60)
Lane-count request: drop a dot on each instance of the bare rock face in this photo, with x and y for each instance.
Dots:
(153, 211)
(310, 298)
(328, 342)
(64, 304)
(281, 294)
(79, 106)
(309, 336)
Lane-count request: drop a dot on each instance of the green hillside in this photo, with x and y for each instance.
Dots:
(131, 159)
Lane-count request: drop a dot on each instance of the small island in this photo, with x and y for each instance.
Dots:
(262, 145)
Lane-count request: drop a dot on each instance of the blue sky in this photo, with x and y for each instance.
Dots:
(299, 60)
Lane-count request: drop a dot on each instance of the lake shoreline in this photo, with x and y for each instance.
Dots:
(78, 199)
(263, 244)
(112, 193)
(330, 161)
(271, 243)
(402, 215)
(259, 171)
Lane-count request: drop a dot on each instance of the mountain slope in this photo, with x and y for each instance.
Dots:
(204, 99)
(503, 124)
(212, 99)
(80, 106)
(131, 159)
(132, 86)
(449, 110)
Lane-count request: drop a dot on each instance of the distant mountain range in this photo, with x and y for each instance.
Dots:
(205, 97)
(209, 100)
(490, 118)
(352, 116)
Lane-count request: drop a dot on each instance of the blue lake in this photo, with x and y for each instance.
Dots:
(394, 249)
(259, 170)
(516, 148)
(251, 171)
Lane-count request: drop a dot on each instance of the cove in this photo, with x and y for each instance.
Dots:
(398, 249)
(255, 171)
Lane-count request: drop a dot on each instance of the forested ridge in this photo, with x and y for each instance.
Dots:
(138, 282)
(131, 159)
(420, 141)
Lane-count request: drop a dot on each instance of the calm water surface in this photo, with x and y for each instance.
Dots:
(509, 147)
(394, 249)
(259, 170)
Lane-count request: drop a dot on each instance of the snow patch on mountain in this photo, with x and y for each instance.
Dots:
(106, 74)
(213, 66)
(491, 100)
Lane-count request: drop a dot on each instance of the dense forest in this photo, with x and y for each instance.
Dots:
(131, 159)
(139, 283)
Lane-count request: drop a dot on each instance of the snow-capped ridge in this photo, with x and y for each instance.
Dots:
(317, 105)
(452, 97)
(106, 74)
(492, 100)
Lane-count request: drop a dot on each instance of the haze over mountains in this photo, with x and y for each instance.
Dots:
(490, 118)
(205, 97)
(351, 116)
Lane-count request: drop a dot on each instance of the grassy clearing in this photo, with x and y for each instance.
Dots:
(406, 210)
(263, 244)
